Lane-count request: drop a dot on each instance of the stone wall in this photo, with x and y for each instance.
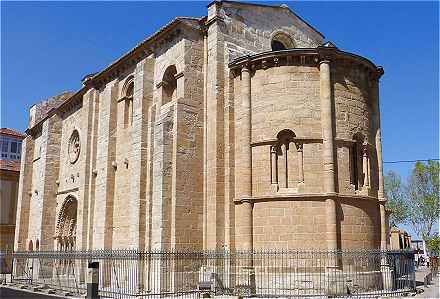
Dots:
(188, 161)
(249, 29)
(295, 223)
(236, 29)
(359, 222)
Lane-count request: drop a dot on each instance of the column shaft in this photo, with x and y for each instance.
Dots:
(286, 167)
(328, 151)
(244, 175)
(300, 163)
(383, 226)
(378, 143)
(365, 169)
(274, 165)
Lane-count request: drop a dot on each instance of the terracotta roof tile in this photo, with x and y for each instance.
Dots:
(10, 165)
(13, 133)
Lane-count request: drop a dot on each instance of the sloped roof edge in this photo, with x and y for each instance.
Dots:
(11, 132)
(166, 28)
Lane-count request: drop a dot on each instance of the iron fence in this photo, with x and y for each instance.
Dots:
(268, 273)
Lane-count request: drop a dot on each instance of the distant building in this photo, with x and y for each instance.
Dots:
(399, 239)
(10, 146)
(419, 248)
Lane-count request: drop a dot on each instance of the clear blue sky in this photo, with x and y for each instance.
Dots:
(47, 47)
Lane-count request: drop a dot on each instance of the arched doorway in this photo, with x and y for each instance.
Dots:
(65, 232)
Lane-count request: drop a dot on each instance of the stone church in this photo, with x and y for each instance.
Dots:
(243, 129)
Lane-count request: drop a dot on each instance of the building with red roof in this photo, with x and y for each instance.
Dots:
(10, 148)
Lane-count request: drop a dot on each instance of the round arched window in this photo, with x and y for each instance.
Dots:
(74, 147)
(169, 84)
(281, 41)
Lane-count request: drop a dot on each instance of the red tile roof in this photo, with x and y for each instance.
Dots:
(13, 133)
(10, 165)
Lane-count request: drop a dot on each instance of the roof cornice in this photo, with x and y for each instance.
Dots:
(318, 53)
(139, 52)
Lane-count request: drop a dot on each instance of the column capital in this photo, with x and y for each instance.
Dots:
(299, 146)
(324, 61)
(246, 67)
(327, 52)
(382, 201)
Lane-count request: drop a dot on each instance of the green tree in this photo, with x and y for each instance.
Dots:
(396, 201)
(423, 198)
(434, 244)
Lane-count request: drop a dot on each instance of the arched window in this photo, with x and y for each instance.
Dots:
(356, 161)
(31, 246)
(169, 85)
(287, 162)
(127, 96)
(284, 138)
(281, 41)
(37, 245)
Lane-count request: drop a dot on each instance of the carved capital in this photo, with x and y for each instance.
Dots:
(246, 67)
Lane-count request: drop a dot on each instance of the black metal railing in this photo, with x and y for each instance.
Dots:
(268, 273)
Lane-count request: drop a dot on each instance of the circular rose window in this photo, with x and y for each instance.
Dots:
(74, 147)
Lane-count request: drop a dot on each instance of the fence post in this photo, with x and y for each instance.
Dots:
(386, 272)
(93, 280)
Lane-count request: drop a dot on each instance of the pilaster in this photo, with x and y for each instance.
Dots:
(24, 189)
(93, 172)
(142, 101)
(50, 159)
(105, 177)
(214, 136)
(162, 175)
(84, 184)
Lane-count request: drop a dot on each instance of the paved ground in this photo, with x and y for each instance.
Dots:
(431, 291)
(6, 292)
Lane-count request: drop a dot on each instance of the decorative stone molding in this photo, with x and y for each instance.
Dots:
(74, 147)
(65, 230)
(127, 89)
(285, 196)
(303, 56)
(283, 37)
(68, 191)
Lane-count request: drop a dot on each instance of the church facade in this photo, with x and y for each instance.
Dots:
(243, 129)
